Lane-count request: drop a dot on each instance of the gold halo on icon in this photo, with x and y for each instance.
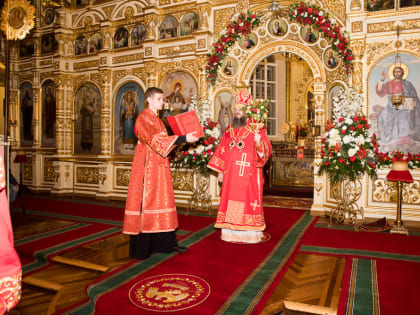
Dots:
(397, 64)
(174, 83)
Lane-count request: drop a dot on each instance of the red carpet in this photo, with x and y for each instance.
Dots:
(349, 239)
(76, 208)
(87, 223)
(382, 269)
(27, 251)
(225, 266)
(397, 279)
(398, 283)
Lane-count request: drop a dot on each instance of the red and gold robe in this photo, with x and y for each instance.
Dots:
(150, 206)
(241, 197)
(10, 267)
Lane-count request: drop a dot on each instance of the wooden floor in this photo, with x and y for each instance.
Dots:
(310, 286)
(64, 283)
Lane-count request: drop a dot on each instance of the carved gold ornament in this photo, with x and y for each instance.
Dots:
(17, 18)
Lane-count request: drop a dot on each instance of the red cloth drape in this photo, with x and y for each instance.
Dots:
(10, 267)
(404, 176)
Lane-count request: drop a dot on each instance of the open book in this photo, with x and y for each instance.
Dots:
(184, 123)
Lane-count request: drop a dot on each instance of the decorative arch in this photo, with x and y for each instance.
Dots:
(165, 74)
(94, 15)
(48, 112)
(396, 130)
(128, 78)
(26, 105)
(121, 38)
(376, 58)
(95, 42)
(331, 89)
(125, 110)
(81, 45)
(169, 27)
(179, 82)
(87, 103)
(189, 23)
(262, 51)
(128, 9)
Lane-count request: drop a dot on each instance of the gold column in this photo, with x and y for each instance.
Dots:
(320, 110)
(151, 71)
(13, 113)
(203, 85)
(60, 116)
(288, 87)
(36, 118)
(358, 47)
(106, 113)
(68, 95)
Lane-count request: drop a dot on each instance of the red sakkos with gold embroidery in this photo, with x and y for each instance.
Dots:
(10, 267)
(241, 198)
(150, 203)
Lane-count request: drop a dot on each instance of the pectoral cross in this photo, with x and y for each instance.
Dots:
(255, 205)
(242, 163)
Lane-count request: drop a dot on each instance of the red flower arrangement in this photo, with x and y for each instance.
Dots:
(317, 17)
(385, 159)
(348, 149)
(241, 25)
(198, 155)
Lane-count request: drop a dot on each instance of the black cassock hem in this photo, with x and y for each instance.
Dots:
(144, 244)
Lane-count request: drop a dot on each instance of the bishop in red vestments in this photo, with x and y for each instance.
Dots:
(150, 213)
(10, 267)
(239, 159)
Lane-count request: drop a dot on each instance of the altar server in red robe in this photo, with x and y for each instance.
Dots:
(239, 159)
(10, 267)
(150, 213)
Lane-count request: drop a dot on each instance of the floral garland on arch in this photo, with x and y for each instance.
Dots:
(348, 148)
(241, 24)
(312, 14)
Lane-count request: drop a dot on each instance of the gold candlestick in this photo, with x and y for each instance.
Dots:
(398, 227)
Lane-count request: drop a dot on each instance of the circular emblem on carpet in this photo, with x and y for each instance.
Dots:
(169, 292)
(265, 238)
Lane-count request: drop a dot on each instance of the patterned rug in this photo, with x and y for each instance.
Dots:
(169, 292)
(287, 202)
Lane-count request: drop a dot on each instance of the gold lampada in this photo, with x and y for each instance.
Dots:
(397, 99)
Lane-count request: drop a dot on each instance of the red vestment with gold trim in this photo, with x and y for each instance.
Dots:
(10, 267)
(241, 197)
(150, 206)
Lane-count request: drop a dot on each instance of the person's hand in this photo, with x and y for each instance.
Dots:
(220, 177)
(191, 137)
(383, 75)
(257, 138)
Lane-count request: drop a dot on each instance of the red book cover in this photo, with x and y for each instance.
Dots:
(184, 123)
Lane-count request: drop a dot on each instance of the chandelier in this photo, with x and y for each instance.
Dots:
(278, 10)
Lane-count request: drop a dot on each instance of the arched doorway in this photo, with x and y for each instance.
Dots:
(286, 80)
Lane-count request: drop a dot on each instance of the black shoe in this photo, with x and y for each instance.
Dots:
(180, 249)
